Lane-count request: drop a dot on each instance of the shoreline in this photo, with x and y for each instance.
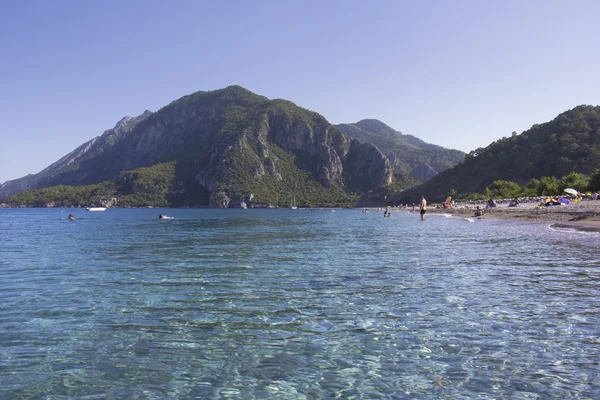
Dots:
(584, 215)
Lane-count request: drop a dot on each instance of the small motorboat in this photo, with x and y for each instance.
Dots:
(96, 208)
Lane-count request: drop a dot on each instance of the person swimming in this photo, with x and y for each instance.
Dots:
(162, 217)
(71, 217)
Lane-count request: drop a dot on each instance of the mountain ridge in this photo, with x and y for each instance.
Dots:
(219, 148)
(226, 141)
(109, 137)
(568, 143)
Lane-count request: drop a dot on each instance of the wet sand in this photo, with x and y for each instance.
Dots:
(583, 215)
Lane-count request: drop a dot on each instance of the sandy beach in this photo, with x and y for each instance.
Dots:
(582, 215)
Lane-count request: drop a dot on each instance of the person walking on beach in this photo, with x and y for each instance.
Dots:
(423, 207)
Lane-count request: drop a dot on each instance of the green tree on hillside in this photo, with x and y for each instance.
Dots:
(548, 186)
(532, 188)
(504, 189)
(574, 180)
(594, 184)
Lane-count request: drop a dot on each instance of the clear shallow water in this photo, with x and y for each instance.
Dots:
(294, 304)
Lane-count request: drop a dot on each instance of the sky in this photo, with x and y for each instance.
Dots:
(457, 73)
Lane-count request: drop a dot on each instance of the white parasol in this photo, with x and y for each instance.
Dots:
(571, 191)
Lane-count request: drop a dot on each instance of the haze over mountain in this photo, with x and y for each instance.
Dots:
(408, 154)
(213, 147)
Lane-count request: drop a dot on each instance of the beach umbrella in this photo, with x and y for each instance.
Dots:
(571, 191)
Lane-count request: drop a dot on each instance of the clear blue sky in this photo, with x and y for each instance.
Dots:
(457, 73)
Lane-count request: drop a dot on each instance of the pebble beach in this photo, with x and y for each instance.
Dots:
(584, 215)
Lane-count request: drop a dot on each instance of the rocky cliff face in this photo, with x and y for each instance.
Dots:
(408, 154)
(366, 162)
(423, 172)
(225, 141)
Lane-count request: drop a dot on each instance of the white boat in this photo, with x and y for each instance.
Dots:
(293, 204)
(96, 208)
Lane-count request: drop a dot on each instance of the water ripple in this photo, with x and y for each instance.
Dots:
(294, 304)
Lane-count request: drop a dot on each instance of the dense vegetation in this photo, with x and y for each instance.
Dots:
(166, 185)
(64, 196)
(404, 151)
(546, 186)
(138, 188)
(500, 189)
(569, 143)
(152, 188)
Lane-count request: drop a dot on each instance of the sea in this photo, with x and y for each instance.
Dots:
(295, 304)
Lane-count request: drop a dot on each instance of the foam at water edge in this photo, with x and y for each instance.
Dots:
(582, 230)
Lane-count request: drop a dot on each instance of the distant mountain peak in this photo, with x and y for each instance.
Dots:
(369, 123)
(127, 123)
(228, 144)
(122, 122)
(408, 154)
(235, 88)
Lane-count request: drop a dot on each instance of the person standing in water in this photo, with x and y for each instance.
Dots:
(423, 207)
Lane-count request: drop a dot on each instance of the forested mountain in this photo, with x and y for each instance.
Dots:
(216, 148)
(223, 147)
(408, 155)
(568, 143)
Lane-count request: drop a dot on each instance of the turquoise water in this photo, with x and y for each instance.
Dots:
(294, 304)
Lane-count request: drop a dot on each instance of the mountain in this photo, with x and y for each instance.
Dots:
(71, 161)
(409, 155)
(217, 147)
(568, 143)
